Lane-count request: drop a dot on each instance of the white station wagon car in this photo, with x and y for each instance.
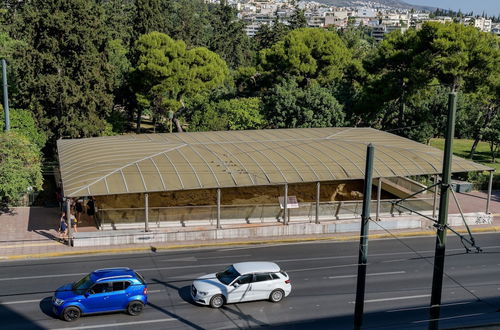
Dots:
(244, 281)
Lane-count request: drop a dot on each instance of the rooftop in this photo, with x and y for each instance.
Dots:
(202, 160)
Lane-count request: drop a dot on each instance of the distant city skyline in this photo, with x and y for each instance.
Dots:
(490, 7)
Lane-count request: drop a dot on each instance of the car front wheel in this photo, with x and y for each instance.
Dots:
(71, 314)
(217, 301)
(135, 308)
(276, 296)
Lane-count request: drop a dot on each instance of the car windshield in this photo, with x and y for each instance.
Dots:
(228, 275)
(83, 284)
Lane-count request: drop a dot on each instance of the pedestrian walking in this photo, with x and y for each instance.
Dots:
(63, 227)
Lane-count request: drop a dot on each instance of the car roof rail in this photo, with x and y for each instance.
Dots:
(111, 277)
(108, 269)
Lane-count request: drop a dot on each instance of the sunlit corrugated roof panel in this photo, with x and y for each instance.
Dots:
(179, 161)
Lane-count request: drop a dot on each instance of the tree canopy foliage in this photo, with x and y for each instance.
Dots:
(20, 167)
(307, 54)
(80, 68)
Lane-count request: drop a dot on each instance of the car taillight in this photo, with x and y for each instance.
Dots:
(287, 281)
(145, 291)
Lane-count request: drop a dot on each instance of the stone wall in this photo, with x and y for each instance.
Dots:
(305, 192)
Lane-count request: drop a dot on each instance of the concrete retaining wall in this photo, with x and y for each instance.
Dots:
(202, 234)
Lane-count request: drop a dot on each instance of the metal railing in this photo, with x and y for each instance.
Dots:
(250, 213)
(407, 183)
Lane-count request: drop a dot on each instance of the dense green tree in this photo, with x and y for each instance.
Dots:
(457, 57)
(148, 17)
(289, 106)
(217, 115)
(229, 39)
(61, 74)
(298, 19)
(307, 54)
(117, 57)
(268, 35)
(119, 19)
(241, 113)
(20, 167)
(167, 72)
(22, 122)
(491, 134)
(203, 116)
(189, 21)
(461, 57)
(358, 40)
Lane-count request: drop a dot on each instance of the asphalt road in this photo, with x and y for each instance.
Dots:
(323, 278)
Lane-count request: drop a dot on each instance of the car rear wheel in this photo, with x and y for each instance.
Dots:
(135, 308)
(217, 301)
(276, 296)
(71, 314)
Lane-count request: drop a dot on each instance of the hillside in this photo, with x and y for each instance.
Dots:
(391, 3)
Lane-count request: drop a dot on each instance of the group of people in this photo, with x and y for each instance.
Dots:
(76, 207)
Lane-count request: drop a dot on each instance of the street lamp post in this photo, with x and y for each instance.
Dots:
(170, 119)
(5, 95)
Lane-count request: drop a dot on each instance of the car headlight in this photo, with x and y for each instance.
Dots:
(201, 293)
(58, 302)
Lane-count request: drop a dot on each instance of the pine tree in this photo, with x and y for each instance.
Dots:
(61, 71)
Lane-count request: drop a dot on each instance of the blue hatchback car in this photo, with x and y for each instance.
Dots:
(103, 290)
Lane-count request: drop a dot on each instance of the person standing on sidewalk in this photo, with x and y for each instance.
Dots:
(79, 210)
(73, 221)
(91, 209)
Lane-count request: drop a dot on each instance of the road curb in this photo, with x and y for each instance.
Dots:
(236, 243)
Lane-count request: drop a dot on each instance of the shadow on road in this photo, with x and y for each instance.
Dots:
(14, 321)
(46, 307)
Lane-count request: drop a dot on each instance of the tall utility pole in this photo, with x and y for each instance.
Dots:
(5, 95)
(437, 278)
(363, 240)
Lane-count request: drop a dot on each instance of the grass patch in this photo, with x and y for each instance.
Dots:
(461, 148)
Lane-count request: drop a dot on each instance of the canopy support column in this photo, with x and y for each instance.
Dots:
(68, 220)
(285, 206)
(318, 191)
(218, 208)
(146, 212)
(434, 202)
(379, 193)
(490, 183)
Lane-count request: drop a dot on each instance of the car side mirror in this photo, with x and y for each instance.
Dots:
(86, 294)
(236, 284)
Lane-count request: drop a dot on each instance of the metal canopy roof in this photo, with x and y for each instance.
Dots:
(180, 161)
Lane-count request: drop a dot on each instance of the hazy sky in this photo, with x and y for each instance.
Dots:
(491, 7)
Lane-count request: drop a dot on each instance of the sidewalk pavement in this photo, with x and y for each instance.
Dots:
(31, 232)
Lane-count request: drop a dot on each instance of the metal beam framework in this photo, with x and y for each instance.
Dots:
(209, 160)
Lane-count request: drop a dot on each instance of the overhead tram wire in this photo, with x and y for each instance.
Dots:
(430, 263)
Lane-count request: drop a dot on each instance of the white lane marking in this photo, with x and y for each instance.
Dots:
(450, 317)
(372, 274)
(40, 276)
(251, 247)
(316, 268)
(97, 326)
(394, 298)
(426, 307)
(19, 301)
(38, 300)
(225, 264)
(203, 258)
(155, 291)
(395, 260)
